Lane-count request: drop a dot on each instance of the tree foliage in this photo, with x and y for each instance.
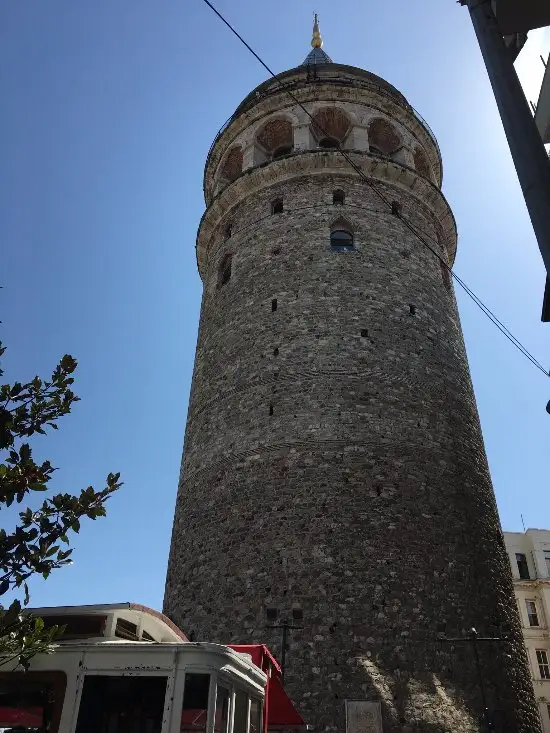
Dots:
(40, 541)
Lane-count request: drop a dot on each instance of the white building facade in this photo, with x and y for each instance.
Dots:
(529, 554)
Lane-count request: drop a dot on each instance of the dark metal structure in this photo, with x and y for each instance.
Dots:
(492, 21)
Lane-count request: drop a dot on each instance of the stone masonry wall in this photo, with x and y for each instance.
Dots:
(334, 466)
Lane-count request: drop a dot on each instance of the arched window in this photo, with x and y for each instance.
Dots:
(330, 127)
(277, 206)
(329, 142)
(224, 271)
(338, 197)
(276, 138)
(341, 240)
(383, 137)
(421, 163)
(233, 165)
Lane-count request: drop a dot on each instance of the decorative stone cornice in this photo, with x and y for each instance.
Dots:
(318, 162)
(532, 583)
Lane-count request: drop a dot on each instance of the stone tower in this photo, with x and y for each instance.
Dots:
(334, 474)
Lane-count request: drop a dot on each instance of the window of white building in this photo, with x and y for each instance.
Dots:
(547, 560)
(523, 568)
(532, 612)
(544, 666)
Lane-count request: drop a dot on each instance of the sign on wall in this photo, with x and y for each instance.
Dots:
(363, 716)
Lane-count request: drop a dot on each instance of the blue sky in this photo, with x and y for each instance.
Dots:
(109, 111)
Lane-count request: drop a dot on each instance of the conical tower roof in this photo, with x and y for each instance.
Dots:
(316, 55)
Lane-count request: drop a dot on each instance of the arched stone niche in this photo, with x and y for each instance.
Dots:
(330, 127)
(422, 164)
(231, 168)
(383, 137)
(273, 140)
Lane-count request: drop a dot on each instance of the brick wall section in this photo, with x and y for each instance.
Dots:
(364, 499)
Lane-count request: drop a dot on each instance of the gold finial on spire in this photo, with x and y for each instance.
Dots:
(316, 41)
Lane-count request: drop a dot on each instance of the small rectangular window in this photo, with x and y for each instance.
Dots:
(532, 612)
(31, 701)
(240, 718)
(523, 568)
(126, 630)
(195, 702)
(255, 716)
(542, 661)
(547, 561)
(78, 626)
(274, 305)
(221, 718)
(116, 703)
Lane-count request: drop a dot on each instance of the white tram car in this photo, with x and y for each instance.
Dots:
(124, 668)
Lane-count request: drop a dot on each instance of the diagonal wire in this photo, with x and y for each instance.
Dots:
(481, 305)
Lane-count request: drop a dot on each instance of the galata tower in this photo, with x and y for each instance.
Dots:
(334, 477)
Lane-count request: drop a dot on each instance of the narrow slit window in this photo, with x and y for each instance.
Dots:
(274, 305)
(228, 231)
(341, 240)
(445, 275)
(412, 310)
(277, 206)
(224, 274)
(338, 198)
(271, 409)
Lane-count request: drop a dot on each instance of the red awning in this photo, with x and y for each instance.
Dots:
(281, 712)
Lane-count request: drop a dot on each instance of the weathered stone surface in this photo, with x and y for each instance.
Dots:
(334, 463)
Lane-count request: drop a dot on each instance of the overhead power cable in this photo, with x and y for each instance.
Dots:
(397, 213)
